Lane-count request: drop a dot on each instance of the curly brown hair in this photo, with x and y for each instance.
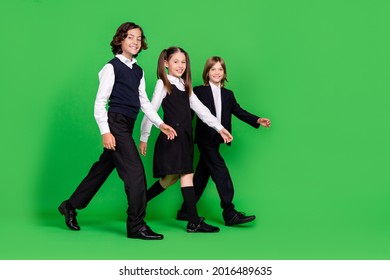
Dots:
(121, 34)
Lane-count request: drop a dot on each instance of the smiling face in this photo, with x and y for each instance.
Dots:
(132, 43)
(176, 64)
(216, 74)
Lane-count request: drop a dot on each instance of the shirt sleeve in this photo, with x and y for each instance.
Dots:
(106, 83)
(158, 95)
(204, 113)
(149, 110)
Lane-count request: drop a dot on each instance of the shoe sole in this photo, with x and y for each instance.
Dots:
(135, 237)
(197, 231)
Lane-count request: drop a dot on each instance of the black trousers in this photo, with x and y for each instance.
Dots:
(212, 164)
(130, 169)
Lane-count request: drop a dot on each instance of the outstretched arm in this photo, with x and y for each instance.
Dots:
(264, 122)
(204, 113)
(241, 113)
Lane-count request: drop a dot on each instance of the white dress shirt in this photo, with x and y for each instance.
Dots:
(216, 90)
(106, 84)
(195, 104)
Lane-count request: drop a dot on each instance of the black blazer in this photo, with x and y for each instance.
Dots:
(205, 134)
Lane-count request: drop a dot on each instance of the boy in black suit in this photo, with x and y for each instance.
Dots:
(222, 103)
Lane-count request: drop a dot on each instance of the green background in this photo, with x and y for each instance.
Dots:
(317, 180)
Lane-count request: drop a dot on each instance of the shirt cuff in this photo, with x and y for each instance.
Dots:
(144, 138)
(219, 127)
(159, 122)
(104, 128)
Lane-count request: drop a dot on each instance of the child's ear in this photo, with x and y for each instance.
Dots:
(166, 64)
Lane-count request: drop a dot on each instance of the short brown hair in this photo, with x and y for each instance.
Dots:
(210, 63)
(121, 34)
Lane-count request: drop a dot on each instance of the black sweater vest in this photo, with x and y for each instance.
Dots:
(124, 98)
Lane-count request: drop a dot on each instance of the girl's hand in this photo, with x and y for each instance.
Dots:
(168, 131)
(264, 122)
(109, 141)
(227, 137)
(142, 147)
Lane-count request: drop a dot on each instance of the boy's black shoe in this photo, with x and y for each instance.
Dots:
(201, 227)
(239, 218)
(70, 216)
(146, 233)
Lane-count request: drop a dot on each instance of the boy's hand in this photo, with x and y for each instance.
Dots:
(168, 131)
(109, 141)
(142, 148)
(264, 122)
(227, 137)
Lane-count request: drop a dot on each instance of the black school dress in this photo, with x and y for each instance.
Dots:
(175, 156)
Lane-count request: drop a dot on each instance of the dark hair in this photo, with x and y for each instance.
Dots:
(209, 64)
(121, 34)
(165, 55)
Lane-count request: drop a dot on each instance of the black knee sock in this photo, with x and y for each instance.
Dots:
(154, 190)
(190, 203)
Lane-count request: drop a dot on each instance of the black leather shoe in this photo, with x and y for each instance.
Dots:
(239, 218)
(70, 216)
(201, 227)
(145, 233)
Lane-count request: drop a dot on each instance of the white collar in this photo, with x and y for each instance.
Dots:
(213, 86)
(175, 80)
(125, 60)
